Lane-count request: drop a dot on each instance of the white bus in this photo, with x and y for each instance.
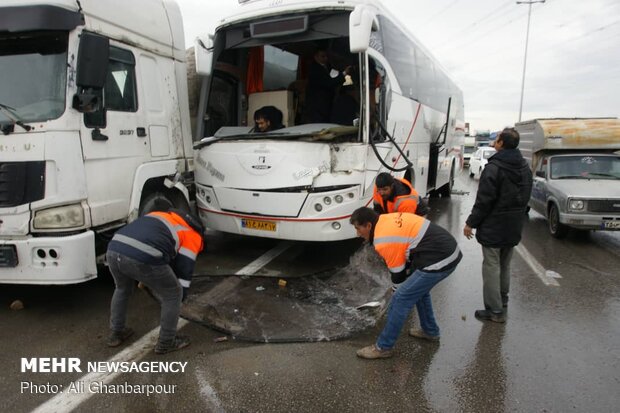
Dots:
(303, 182)
(94, 119)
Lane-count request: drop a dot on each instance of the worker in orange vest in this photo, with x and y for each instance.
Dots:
(158, 250)
(396, 195)
(418, 254)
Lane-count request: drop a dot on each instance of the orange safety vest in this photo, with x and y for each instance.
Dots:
(402, 203)
(188, 241)
(396, 234)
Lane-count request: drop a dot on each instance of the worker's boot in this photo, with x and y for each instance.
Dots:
(117, 338)
(175, 344)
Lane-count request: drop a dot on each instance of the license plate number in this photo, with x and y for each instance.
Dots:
(611, 225)
(8, 256)
(258, 225)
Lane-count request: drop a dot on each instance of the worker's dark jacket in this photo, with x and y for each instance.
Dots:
(503, 193)
(161, 238)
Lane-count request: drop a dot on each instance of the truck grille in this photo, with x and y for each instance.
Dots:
(604, 205)
(21, 182)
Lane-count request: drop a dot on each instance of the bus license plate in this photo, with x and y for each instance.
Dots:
(258, 225)
(8, 256)
(611, 225)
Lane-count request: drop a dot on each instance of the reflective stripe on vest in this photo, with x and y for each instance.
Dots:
(141, 246)
(187, 241)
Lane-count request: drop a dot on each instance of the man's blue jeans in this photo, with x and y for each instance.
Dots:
(159, 278)
(414, 291)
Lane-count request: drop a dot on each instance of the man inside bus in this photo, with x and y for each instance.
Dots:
(346, 106)
(321, 87)
(397, 195)
(267, 119)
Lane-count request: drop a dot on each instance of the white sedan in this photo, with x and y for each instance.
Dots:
(479, 160)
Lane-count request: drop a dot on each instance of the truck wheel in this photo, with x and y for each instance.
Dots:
(163, 201)
(556, 228)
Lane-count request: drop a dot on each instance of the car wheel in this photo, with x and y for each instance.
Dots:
(556, 228)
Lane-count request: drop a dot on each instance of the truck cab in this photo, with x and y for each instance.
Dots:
(95, 129)
(576, 168)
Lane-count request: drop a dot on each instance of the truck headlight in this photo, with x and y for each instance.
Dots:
(575, 204)
(70, 216)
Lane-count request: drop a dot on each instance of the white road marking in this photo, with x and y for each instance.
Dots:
(209, 393)
(65, 402)
(549, 278)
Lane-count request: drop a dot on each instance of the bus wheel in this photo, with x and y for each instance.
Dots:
(446, 190)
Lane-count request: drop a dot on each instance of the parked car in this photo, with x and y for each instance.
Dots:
(479, 160)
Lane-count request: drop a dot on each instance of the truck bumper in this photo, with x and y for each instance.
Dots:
(48, 260)
(593, 222)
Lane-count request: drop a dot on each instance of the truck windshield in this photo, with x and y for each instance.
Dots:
(585, 167)
(34, 72)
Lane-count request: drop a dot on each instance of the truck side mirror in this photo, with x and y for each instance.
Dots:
(92, 69)
(203, 47)
(362, 22)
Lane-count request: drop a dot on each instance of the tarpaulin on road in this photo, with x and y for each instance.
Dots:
(319, 307)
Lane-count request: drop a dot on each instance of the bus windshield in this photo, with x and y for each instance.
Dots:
(34, 72)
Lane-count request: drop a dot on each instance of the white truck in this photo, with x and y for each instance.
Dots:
(576, 168)
(95, 129)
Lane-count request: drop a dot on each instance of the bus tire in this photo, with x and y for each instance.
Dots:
(446, 190)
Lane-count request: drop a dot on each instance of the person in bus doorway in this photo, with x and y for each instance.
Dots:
(159, 250)
(321, 87)
(418, 254)
(347, 103)
(267, 119)
(497, 215)
(397, 195)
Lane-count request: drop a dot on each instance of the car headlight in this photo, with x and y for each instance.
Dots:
(70, 216)
(575, 204)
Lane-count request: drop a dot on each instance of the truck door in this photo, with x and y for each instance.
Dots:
(114, 139)
(538, 200)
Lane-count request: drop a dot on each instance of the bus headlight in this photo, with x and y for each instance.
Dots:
(70, 216)
(338, 199)
(575, 204)
(327, 200)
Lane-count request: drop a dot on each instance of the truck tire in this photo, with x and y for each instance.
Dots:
(163, 201)
(556, 228)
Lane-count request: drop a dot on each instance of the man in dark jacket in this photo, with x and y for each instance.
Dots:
(159, 250)
(321, 88)
(498, 215)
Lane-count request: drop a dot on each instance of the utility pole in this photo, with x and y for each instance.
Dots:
(527, 36)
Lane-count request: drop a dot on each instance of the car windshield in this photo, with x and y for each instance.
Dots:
(585, 167)
(487, 154)
(34, 72)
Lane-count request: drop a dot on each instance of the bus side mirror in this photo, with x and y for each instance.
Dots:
(92, 69)
(203, 47)
(362, 22)
(540, 174)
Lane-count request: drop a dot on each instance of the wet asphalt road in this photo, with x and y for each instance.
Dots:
(558, 352)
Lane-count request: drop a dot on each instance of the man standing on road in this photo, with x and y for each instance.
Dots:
(419, 254)
(159, 250)
(396, 195)
(498, 214)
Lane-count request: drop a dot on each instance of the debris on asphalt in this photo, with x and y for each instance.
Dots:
(220, 339)
(260, 288)
(17, 305)
(463, 317)
(281, 282)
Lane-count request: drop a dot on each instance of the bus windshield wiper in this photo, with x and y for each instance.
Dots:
(11, 113)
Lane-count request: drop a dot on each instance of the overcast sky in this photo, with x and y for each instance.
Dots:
(573, 62)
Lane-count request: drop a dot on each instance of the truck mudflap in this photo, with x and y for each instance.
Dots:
(48, 260)
(325, 306)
